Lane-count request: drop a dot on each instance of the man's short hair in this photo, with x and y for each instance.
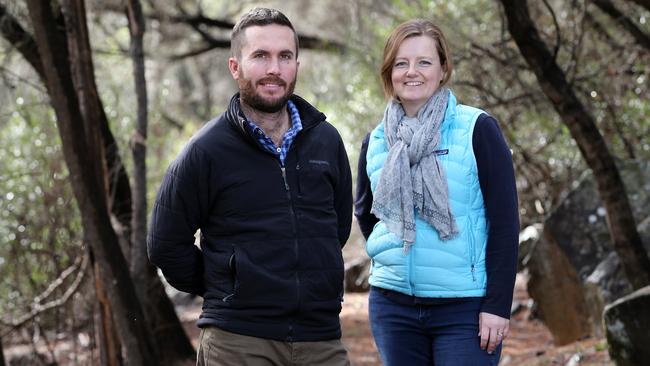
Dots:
(259, 17)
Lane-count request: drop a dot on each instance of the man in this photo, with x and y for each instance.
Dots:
(269, 186)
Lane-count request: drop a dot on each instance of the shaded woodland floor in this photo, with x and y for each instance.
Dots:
(529, 344)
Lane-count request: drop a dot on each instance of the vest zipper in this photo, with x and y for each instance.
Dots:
(472, 252)
(409, 253)
(473, 273)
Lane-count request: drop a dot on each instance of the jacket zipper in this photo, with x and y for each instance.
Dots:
(298, 178)
(292, 213)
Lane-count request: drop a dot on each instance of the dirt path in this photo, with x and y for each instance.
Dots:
(529, 344)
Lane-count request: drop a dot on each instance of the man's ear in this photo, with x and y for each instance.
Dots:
(233, 66)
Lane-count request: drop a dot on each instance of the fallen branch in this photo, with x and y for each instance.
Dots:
(38, 308)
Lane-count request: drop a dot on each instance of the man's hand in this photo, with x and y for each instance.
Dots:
(493, 330)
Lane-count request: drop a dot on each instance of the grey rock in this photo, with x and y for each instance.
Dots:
(574, 271)
(579, 224)
(627, 324)
(602, 287)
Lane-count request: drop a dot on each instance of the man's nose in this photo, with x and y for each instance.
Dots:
(273, 66)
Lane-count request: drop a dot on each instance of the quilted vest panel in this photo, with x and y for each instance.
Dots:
(431, 267)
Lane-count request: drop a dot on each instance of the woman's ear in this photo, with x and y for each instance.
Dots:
(445, 70)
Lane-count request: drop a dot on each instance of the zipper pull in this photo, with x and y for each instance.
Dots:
(284, 177)
(298, 178)
(473, 274)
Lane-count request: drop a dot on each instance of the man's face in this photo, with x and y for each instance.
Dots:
(267, 67)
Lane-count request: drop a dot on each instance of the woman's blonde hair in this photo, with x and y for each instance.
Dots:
(414, 28)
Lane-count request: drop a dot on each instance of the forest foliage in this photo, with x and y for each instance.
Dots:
(605, 57)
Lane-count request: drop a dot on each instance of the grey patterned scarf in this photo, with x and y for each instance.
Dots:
(412, 176)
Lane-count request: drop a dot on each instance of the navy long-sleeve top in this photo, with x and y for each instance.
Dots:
(497, 181)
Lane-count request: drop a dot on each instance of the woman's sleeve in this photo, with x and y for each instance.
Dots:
(363, 200)
(497, 181)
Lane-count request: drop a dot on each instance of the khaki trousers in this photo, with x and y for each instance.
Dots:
(220, 348)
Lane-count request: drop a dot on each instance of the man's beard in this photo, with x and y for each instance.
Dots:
(248, 95)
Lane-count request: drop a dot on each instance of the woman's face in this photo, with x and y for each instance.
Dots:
(416, 72)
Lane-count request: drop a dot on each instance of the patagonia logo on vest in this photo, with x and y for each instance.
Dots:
(319, 162)
(441, 152)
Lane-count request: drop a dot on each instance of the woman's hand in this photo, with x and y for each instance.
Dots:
(493, 330)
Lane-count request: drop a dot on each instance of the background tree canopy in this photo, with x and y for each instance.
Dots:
(53, 269)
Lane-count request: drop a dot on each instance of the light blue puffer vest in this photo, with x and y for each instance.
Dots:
(431, 267)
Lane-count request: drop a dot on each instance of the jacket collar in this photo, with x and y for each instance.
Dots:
(309, 115)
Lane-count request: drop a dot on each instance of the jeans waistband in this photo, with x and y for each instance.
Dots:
(404, 299)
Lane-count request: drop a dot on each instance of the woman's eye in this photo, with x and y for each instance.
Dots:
(425, 62)
(400, 64)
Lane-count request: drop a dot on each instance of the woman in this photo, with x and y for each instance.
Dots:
(437, 202)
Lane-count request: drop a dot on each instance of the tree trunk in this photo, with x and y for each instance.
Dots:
(138, 142)
(119, 187)
(2, 355)
(582, 127)
(118, 179)
(67, 58)
(108, 339)
(173, 344)
(161, 316)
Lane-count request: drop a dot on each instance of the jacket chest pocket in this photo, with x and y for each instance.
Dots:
(315, 181)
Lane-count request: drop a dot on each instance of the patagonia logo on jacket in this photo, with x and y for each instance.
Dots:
(319, 162)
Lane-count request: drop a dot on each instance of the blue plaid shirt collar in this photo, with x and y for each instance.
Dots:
(287, 139)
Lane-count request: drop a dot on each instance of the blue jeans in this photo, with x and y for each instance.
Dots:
(444, 333)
